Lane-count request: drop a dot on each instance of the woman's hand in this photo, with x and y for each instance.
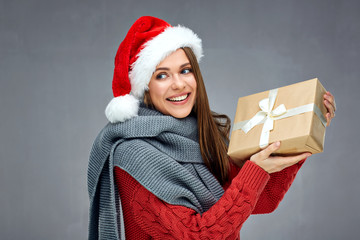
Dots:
(273, 164)
(329, 102)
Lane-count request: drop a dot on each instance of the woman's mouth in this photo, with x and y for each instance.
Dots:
(179, 98)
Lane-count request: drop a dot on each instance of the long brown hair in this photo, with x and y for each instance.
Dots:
(213, 128)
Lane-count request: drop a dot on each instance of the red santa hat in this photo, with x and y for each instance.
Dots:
(149, 41)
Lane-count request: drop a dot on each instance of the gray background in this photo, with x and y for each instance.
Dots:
(56, 69)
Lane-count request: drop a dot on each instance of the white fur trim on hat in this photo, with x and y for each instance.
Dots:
(156, 50)
(122, 108)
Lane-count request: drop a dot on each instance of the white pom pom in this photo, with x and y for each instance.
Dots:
(122, 108)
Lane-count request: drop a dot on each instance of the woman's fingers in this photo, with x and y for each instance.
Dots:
(330, 112)
(331, 99)
(329, 102)
(289, 161)
(330, 107)
(265, 153)
(328, 119)
(275, 163)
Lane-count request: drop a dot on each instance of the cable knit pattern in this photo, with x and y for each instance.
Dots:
(251, 191)
(161, 220)
(276, 189)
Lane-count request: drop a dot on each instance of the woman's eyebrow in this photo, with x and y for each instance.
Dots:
(162, 68)
(166, 69)
(183, 65)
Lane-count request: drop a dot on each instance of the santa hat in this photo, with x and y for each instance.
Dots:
(149, 41)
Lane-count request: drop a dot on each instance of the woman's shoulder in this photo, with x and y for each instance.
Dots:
(133, 145)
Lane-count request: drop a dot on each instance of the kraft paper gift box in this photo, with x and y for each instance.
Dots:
(294, 115)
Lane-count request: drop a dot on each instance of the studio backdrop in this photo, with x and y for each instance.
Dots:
(56, 69)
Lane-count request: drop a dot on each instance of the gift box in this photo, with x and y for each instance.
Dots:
(294, 115)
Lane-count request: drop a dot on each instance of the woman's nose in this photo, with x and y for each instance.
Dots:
(178, 82)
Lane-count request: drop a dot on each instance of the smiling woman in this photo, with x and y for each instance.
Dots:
(159, 169)
(172, 88)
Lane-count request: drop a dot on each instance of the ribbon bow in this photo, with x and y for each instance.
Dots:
(266, 116)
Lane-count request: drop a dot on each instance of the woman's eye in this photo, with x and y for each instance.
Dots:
(161, 76)
(186, 71)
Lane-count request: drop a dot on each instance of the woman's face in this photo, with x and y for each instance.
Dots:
(172, 87)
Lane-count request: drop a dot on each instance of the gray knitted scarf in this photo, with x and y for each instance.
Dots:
(160, 152)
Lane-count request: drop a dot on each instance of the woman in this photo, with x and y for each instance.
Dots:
(159, 169)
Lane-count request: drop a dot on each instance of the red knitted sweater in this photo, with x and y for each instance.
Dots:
(250, 191)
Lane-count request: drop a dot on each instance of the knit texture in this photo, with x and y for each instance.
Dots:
(162, 153)
(147, 217)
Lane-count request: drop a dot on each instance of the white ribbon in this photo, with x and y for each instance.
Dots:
(267, 116)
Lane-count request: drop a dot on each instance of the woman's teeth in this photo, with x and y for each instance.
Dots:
(179, 98)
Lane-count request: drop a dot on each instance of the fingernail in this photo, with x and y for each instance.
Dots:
(277, 144)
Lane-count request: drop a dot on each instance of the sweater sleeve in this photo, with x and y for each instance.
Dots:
(276, 189)
(222, 221)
